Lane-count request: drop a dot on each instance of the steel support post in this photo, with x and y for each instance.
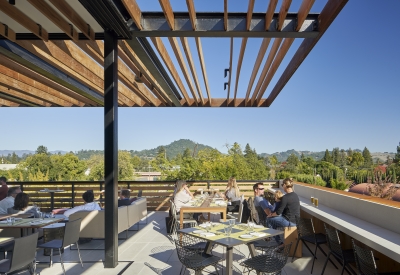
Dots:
(111, 148)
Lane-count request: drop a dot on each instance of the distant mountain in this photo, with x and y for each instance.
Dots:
(172, 149)
(20, 153)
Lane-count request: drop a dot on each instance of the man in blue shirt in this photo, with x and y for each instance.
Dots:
(259, 200)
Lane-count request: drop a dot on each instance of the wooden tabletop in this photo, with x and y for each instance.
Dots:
(30, 223)
(7, 239)
(24, 216)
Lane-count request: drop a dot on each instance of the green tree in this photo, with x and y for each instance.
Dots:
(327, 157)
(14, 158)
(42, 150)
(291, 163)
(396, 158)
(357, 159)
(336, 156)
(125, 167)
(67, 167)
(367, 157)
(187, 153)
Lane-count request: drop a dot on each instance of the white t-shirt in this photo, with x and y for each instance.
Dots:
(88, 207)
(6, 203)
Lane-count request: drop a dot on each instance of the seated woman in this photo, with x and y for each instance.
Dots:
(21, 205)
(182, 198)
(232, 193)
(289, 208)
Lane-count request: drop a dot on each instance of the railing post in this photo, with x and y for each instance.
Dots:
(72, 194)
(208, 185)
(21, 186)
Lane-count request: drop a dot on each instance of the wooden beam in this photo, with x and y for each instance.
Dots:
(192, 13)
(226, 14)
(270, 13)
(305, 8)
(230, 71)
(7, 89)
(23, 20)
(159, 45)
(92, 48)
(54, 17)
(283, 12)
(327, 16)
(259, 59)
(189, 59)
(5, 102)
(203, 66)
(239, 66)
(223, 102)
(178, 54)
(134, 11)
(249, 14)
(20, 73)
(74, 17)
(267, 65)
(7, 32)
(168, 13)
(277, 61)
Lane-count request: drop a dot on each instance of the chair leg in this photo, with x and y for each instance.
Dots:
(51, 257)
(326, 262)
(320, 248)
(61, 260)
(295, 249)
(342, 269)
(315, 256)
(79, 253)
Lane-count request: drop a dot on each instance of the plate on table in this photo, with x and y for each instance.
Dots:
(246, 236)
(258, 226)
(199, 231)
(258, 234)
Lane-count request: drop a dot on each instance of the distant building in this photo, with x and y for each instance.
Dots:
(8, 166)
(147, 176)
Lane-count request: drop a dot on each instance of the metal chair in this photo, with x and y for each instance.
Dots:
(262, 216)
(176, 219)
(23, 255)
(192, 257)
(344, 257)
(71, 236)
(272, 262)
(306, 233)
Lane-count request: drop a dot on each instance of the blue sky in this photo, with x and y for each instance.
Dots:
(345, 94)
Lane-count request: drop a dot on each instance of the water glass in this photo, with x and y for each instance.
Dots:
(208, 226)
(41, 215)
(228, 230)
(51, 215)
(316, 202)
(250, 226)
(232, 222)
(9, 220)
(312, 200)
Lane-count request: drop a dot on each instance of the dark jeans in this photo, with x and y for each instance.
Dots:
(279, 222)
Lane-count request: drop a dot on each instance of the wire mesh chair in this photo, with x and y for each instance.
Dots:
(306, 233)
(272, 262)
(364, 260)
(344, 257)
(192, 257)
(262, 216)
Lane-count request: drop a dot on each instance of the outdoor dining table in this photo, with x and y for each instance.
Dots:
(26, 224)
(207, 206)
(233, 240)
(51, 196)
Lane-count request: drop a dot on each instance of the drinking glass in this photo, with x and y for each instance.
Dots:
(51, 215)
(228, 230)
(208, 226)
(316, 202)
(9, 220)
(312, 200)
(232, 222)
(250, 226)
(12, 220)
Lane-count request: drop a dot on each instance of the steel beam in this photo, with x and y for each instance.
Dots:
(111, 148)
(212, 25)
(149, 58)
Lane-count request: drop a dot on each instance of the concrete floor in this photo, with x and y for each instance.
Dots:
(150, 251)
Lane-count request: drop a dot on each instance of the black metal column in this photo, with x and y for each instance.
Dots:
(111, 148)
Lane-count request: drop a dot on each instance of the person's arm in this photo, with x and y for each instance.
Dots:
(188, 191)
(280, 209)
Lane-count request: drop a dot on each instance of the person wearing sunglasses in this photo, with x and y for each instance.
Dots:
(259, 199)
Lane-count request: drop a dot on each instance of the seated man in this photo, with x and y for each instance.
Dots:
(259, 200)
(89, 205)
(124, 198)
(9, 201)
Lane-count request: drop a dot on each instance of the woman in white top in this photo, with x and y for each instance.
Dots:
(232, 193)
(182, 198)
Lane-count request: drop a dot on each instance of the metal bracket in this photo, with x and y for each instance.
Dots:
(40, 29)
(226, 72)
(225, 85)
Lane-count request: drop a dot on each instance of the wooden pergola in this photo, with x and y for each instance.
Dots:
(110, 53)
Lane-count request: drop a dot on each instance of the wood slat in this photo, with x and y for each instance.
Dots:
(259, 59)
(5, 102)
(239, 67)
(134, 11)
(23, 20)
(249, 14)
(277, 61)
(230, 71)
(63, 7)
(305, 8)
(189, 58)
(168, 13)
(159, 45)
(178, 54)
(267, 65)
(270, 13)
(283, 12)
(192, 13)
(203, 67)
(223, 102)
(327, 16)
(16, 93)
(226, 14)
(7, 32)
(54, 17)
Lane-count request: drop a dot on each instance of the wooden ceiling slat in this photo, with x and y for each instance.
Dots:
(283, 12)
(54, 17)
(189, 58)
(5, 102)
(222, 102)
(19, 94)
(159, 45)
(23, 20)
(259, 59)
(305, 8)
(7, 32)
(23, 103)
(28, 77)
(270, 13)
(327, 16)
(230, 71)
(93, 49)
(178, 54)
(267, 65)
(249, 14)
(74, 17)
(192, 13)
(134, 11)
(123, 91)
(168, 13)
(226, 14)
(239, 67)
(52, 54)
(27, 89)
(203, 67)
(277, 61)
